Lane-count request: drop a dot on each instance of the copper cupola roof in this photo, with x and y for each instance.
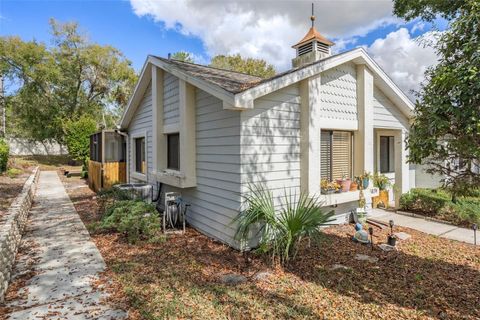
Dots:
(313, 34)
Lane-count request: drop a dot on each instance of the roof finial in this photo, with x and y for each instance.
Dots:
(312, 17)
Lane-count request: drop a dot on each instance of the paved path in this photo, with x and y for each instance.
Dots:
(427, 226)
(64, 259)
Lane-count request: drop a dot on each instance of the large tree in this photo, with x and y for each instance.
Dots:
(48, 85)
(251, 66)
(445, 132)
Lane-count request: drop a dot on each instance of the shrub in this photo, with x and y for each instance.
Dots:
(107, 198)
(425, 201)
(77, 137)
(4, 152)
(13, 172)
(137, 219)
(299, 217)
(464, 212)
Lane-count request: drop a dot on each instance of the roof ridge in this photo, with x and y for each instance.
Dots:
(209, 67)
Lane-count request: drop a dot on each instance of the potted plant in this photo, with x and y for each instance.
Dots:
(382, 182)
(327, 187)
(344, 183)
(366, 176)
(354, 185)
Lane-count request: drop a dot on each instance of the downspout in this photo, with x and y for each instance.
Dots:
(127, 154)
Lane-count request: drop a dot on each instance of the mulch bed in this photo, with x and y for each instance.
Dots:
(11, 187)
(426, 278)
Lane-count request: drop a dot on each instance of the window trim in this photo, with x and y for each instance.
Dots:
(389, 155)
(133, 173)
(168, 167)
(331, 131)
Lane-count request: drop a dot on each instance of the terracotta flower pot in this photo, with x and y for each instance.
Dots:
(346, 185)
(353, 186)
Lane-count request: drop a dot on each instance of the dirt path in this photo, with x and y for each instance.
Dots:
(63, 263)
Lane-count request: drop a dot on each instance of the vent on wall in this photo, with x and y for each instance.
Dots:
(323, 48)
(306, 48)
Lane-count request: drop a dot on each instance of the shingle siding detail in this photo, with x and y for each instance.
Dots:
(339, 93)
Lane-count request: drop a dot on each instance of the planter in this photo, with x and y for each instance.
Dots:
(354, 186)
(366, 182)
(345, 184)
(392, 241)
(381, 201)
(328, 191)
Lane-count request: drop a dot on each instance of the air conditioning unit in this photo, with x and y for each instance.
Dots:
(142, 191)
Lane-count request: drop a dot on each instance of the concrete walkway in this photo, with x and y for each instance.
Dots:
(431, 227)
(64, 260)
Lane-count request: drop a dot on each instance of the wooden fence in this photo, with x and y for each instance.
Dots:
(113, 172)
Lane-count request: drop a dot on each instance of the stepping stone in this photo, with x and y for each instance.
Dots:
(340, 267)
(386, 247)
(233, 279)
(402, 236)
(263, 275)
(364, 257)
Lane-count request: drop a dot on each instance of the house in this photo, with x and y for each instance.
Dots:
(208, 133)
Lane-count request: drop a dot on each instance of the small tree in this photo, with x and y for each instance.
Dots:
(251, 66)
(4, 152)
(183, 56)
(77, 137)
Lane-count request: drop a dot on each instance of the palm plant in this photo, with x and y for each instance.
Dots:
(280, 232)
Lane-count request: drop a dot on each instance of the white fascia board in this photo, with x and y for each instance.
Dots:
(244, 100)
(140, 87)
(216, 91)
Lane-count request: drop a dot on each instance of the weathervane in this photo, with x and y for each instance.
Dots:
(312, 17)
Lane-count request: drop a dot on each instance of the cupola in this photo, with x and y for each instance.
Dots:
(312, 47)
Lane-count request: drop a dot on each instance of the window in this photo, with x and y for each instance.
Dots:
(140, 155)
(387, 154)
(173, 151)
(336, 155)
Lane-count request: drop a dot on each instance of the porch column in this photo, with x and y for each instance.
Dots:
(402, 168)
(364, 137)
(310, 135)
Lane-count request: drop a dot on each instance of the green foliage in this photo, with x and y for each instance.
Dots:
(437, 203)
(13, 172)
(137, 219)
(107, 197)
(52, 83)
(381, 181)
(445, 134)
(77, 137)
(427, 10)
(4, 153)
(251, 66)
(183, 56)
(299, 217)
(425, 201)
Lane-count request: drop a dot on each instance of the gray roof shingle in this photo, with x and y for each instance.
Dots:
(231, 81)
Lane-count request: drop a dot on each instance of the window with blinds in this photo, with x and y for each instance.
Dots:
(336, 156)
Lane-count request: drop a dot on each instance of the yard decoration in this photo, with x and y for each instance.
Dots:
(474, 227)
(354, 186)
(327, 187)
(370, 231)
(392, 240)
(360, 234)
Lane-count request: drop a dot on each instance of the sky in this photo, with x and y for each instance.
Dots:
(259, 29)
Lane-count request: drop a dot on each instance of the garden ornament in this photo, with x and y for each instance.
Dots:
(474, 227)
(360, 234)
(370, 231)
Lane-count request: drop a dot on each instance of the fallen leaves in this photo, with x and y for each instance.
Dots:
(426, 278)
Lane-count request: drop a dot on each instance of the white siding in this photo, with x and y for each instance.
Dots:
(271, 142)
(141, 123)
(385, 114)
(215, 201)
(171, 113)
(339, 93)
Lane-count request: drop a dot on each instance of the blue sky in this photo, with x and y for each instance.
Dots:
(262, 29)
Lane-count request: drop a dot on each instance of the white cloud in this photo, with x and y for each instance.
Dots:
(403, 58)
(265, 29)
